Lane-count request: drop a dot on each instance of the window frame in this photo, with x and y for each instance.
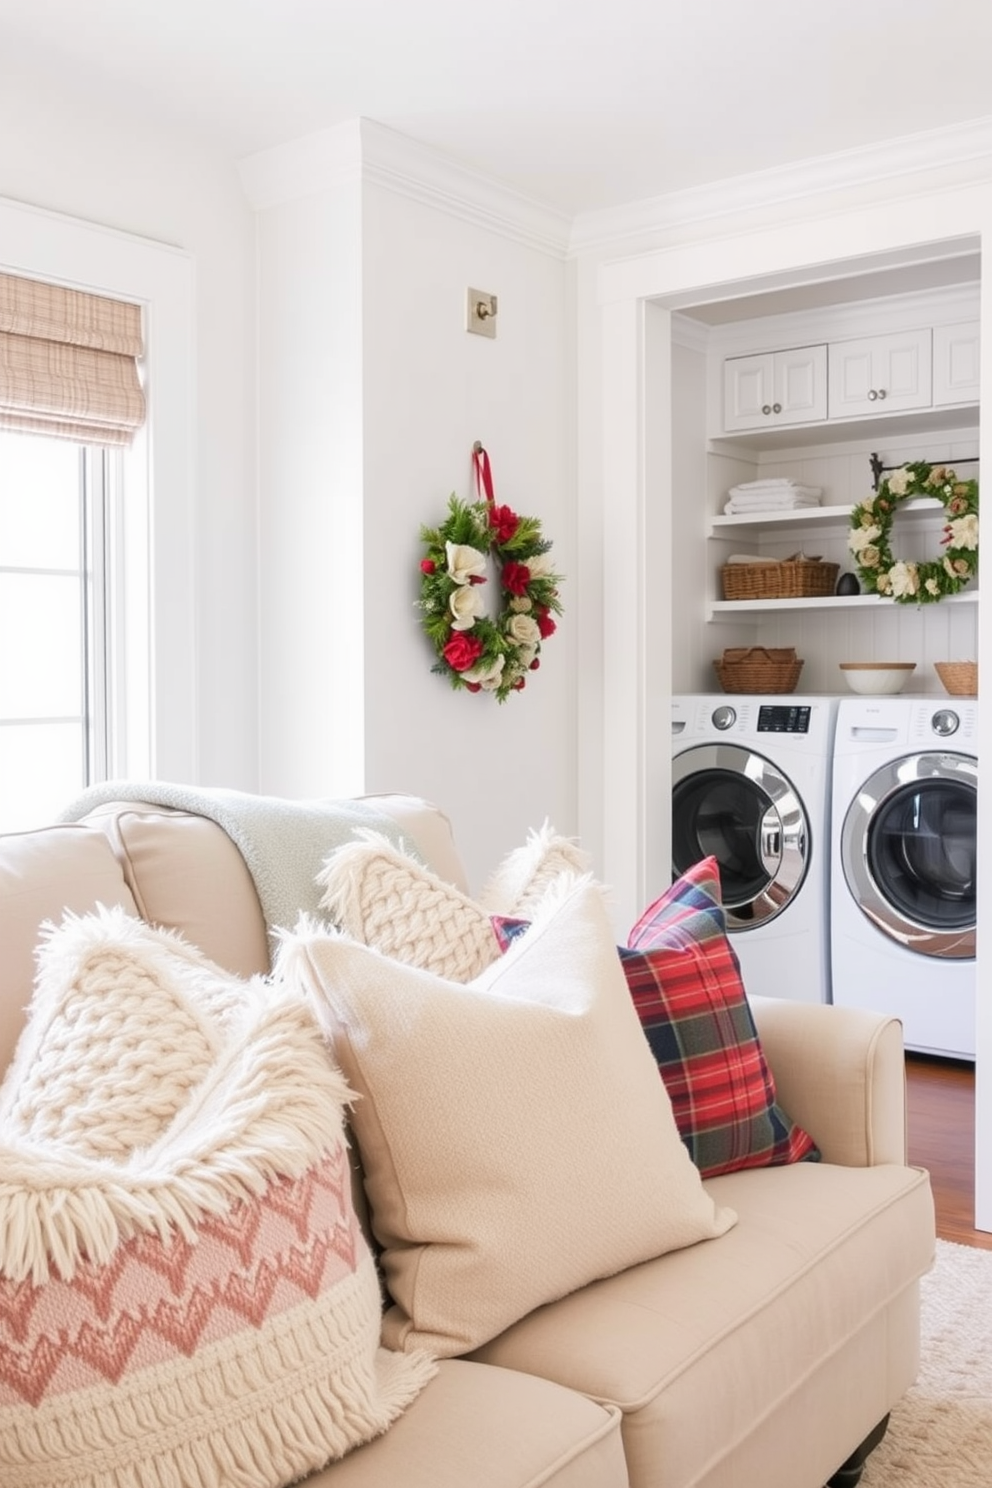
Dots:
(152, 602)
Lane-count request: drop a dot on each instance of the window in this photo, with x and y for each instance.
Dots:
(150, 702)
(58, 508)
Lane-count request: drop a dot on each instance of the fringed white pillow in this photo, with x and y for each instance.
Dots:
(386, 900)
(525, 875)
(185, 1293)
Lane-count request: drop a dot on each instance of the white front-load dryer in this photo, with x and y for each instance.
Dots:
(751, 787)
(903, 903)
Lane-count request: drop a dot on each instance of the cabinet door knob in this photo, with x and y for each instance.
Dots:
(766, 408)
(881, 393)
(872, 395)
(776, 408)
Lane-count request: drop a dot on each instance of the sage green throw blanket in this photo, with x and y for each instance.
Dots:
(284, 843)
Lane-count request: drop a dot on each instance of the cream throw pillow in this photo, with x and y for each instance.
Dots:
(193, 1301)
(516, 1140)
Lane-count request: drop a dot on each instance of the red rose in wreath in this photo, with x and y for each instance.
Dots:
(462, 651)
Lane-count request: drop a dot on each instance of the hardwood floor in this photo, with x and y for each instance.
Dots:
(941, 1101)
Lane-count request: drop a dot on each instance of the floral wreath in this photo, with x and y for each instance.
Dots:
(911, 582)
(474, 651)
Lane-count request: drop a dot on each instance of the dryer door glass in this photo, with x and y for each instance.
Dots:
(910, 848)
(734, 805)
(922, 848)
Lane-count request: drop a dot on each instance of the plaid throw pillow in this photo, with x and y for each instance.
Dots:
(686, 985)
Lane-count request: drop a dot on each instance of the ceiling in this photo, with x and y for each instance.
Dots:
(579, 104)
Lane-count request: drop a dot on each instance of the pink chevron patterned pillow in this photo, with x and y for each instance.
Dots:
(201, 1307)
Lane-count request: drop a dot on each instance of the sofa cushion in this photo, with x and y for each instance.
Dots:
(197, 1305)
(43, 873)
(514, 1134)
(823, 1264)
(186, 874)
(479, 1427)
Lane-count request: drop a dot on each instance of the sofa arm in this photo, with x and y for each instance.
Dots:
(841, 1074)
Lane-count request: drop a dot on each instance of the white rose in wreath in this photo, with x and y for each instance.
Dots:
(863, 537)
(540, 564)
(465, 563)
(899, 483)
(524, 630)
(466, 606)
(903, 579)
(964, 532)
(487, 676)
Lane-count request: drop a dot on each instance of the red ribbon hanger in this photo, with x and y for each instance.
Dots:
(483, 473)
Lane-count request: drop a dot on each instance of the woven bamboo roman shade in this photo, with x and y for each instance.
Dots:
(69, 363)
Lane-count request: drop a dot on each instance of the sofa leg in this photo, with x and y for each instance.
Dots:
(849, 1472)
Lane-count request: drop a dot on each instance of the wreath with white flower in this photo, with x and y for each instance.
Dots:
(475, 651)
(909, 581)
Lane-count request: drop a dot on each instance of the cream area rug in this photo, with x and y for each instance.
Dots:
(940, 1434)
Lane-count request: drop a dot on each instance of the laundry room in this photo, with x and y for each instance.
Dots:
(824, 736)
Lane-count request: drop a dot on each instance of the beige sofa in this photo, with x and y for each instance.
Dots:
(770, 1356)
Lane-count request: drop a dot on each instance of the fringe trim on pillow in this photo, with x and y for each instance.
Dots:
(272, 1104)
(269, 1406)
(523, 878)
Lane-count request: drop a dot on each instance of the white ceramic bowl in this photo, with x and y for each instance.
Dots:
(877, 678)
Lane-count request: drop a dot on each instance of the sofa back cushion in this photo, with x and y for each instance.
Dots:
(42, 874)
(186, 874)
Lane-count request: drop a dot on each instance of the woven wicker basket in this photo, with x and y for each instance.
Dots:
(758, 669)
(804, 579)
(960, 678)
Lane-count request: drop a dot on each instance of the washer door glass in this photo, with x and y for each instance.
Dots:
(734, 805)
(910, 853)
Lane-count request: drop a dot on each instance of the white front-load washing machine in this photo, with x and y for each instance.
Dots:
(903, 900)
(751, 787)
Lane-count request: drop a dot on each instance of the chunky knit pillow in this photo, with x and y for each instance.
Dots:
(378, 895)
(386, 900)
(185, 1294)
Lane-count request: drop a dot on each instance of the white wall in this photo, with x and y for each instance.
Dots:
(348, 697)
(75, 157)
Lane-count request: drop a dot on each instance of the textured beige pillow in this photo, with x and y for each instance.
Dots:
(381, 897)
(516, 1140)
(185, 1293)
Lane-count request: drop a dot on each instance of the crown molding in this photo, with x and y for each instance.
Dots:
(420, 173)
(959, 154)
(363, 150)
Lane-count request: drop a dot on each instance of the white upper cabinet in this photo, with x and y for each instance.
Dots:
(955, 363)
(779, 387)
(880, 374)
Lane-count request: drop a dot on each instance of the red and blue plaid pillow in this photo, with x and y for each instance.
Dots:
(686, 985)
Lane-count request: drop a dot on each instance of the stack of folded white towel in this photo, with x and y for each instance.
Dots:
(776, 494)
